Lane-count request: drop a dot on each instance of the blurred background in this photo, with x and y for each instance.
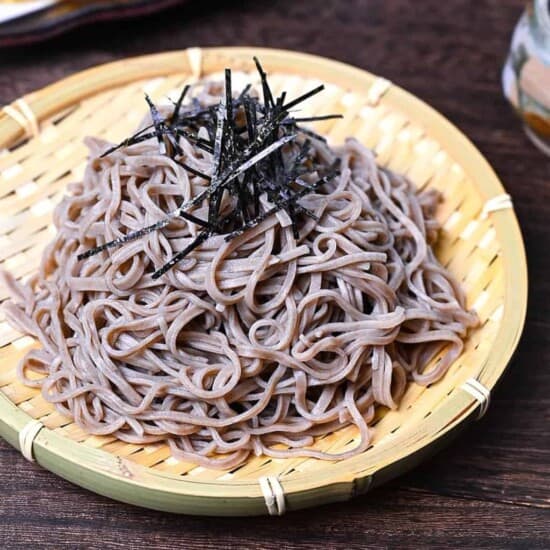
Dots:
(449, 53)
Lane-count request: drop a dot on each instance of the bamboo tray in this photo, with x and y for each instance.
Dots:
(481, 244)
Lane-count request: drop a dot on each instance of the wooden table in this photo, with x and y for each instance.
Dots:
(491, 488)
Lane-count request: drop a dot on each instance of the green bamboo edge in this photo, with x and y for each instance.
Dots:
(108, 475)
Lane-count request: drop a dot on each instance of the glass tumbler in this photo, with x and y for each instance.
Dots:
(526, 73)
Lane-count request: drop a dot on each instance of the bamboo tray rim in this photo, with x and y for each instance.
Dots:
(52, 449)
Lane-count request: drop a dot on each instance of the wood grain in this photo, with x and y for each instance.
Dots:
(489, 489)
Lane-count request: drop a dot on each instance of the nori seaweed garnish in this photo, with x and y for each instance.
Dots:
(246, 140)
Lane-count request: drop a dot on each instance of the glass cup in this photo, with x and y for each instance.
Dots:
(526, 73)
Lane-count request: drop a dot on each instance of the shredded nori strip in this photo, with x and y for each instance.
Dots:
(194, 219)
(311, 118)
(158, 122)
(302, 98)
(193, 171)
(246, 138)
(177, 107)
(268, 96)
(201, 237)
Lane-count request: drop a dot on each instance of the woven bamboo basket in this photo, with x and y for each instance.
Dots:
(42, 150)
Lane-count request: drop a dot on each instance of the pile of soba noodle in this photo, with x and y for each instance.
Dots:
(253, 346)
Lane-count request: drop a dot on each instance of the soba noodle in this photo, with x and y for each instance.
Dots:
(253, 346)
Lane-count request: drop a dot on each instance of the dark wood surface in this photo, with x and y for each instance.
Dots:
(491, 488)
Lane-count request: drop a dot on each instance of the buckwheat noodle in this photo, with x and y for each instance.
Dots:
(253, 346)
